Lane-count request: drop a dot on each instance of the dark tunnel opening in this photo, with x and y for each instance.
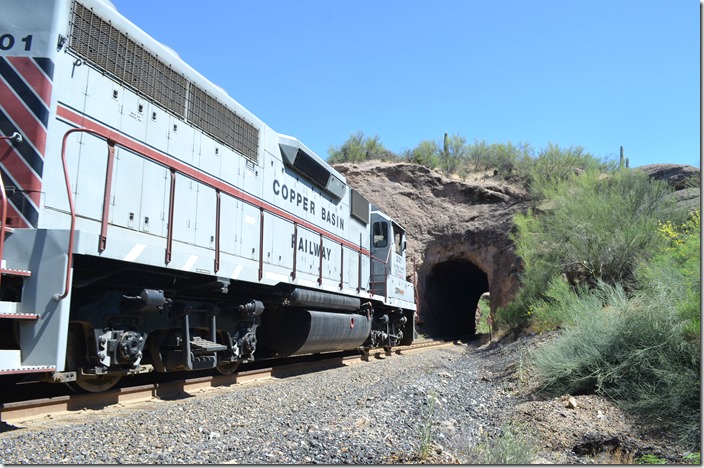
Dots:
(451, 295)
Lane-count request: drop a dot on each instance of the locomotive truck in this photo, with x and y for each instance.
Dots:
(152, 223)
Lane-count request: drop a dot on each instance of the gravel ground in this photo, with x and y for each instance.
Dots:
(433, 407)
(376, 412)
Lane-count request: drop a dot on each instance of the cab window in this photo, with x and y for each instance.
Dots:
(380, 234)
(398, 239)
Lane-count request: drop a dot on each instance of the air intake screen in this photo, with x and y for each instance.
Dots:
(114, 52)
(214, 118)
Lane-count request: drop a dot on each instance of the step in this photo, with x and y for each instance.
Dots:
(202, 345)
(12, 271)
(9, 310)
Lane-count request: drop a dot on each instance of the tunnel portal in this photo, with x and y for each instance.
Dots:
(452, 292)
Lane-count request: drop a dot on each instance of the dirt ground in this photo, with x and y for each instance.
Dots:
(572, 429)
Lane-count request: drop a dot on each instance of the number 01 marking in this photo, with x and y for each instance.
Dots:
(7, 42)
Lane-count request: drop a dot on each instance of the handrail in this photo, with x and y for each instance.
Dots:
(372, 258)
(3, 213)
(72, 208)
(17, 138)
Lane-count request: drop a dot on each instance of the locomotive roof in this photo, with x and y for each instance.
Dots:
(107, 10)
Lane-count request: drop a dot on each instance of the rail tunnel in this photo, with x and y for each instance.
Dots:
(452, 291)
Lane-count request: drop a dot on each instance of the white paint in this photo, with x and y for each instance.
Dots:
(275, 276)
(189, 264)
(135, 252)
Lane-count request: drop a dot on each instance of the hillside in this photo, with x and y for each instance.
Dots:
(458, 232)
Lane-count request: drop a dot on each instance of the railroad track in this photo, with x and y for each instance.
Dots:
(31, 409)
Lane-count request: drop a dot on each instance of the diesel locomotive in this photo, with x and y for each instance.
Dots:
(152, 223)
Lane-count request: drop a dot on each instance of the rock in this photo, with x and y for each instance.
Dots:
(677, 176)
(571, 403)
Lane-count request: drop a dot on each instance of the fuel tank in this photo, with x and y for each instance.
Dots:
(302, 331)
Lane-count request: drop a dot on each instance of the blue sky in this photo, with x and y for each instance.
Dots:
(598, 73)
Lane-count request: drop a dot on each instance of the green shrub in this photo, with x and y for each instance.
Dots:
(591, 229)
(426, 435)
(632, 350)
(650, 459)
(514, 446)
(483, 325)
(359, 148)
(513, 316)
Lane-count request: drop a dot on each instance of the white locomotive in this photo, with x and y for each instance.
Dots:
(150, 222)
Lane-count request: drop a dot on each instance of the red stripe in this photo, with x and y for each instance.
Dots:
(33, 76)
(26, 179)
(206, 179)
(31, 128)
(16, 220)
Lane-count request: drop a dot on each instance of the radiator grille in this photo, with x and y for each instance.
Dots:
(114, 52)
(312, 168)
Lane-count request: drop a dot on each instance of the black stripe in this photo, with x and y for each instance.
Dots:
(33, 159)
(20, 201)
(47, 65)
(25, 93)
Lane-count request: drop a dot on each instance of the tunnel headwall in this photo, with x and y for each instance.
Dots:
(458, 242)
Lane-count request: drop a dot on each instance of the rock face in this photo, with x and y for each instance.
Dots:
(676, 176)
(684, 179)
(458, 242)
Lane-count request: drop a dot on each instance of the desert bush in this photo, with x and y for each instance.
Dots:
(632, 350)
(592, 228)
(483, 325)
(513, 446)
(360, 148)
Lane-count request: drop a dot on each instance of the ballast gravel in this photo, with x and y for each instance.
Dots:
(436, 403)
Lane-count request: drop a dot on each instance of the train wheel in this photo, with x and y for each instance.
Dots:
(227, 368)
(95, 384)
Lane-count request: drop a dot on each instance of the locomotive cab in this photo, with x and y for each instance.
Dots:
(393, 325)
(388, 241)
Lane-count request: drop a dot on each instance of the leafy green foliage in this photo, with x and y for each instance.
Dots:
(554, 165)
(650, 459)
(590, 228)
(593, 228)
(359, 148)
(483, 325)
(454, 155)
(514, 446)
(632, 350)
(611, 261)
(676, 271)
(426, 436)
(427, 154)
